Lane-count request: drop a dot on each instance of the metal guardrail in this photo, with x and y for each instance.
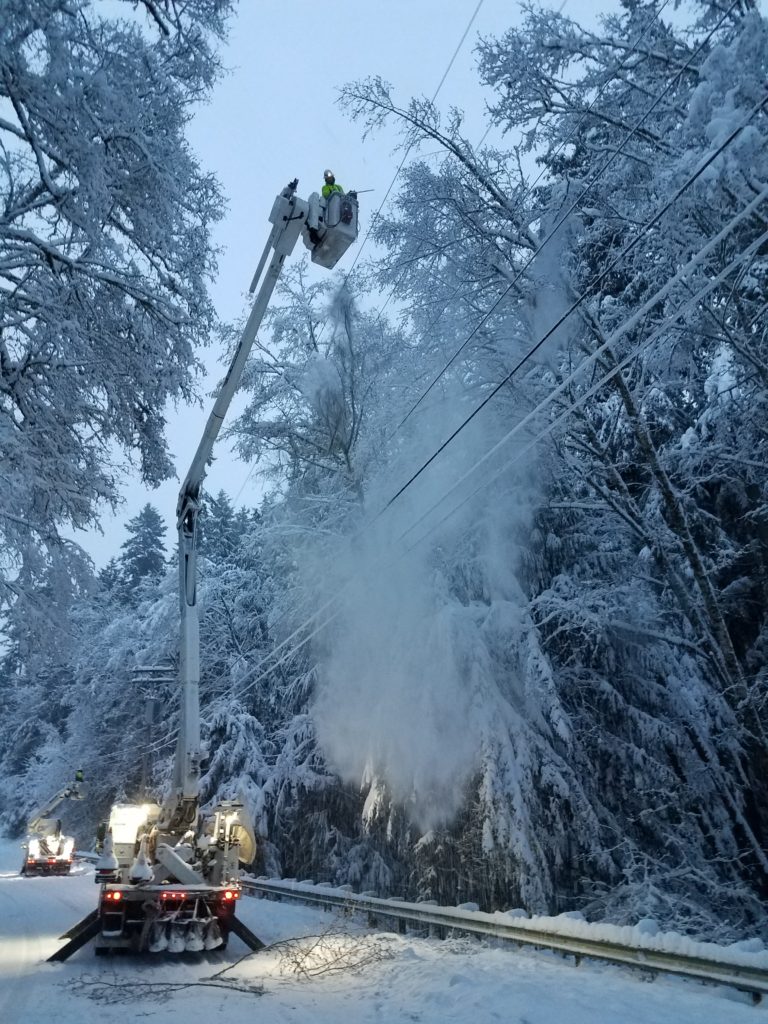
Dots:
(746, 978)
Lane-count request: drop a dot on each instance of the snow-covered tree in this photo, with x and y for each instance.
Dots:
(530, 668)
(39, 647)
(635, 568)
(143, 557)
(104, 250)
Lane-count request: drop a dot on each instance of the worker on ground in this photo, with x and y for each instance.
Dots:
(330, 185)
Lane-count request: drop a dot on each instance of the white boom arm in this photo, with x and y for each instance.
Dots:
(288, 218)
(38, 822)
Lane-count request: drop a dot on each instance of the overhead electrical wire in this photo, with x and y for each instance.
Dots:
(529, 188)
(376, 215)
(498, 387)
(629, 323)
(582, 297)
(526, 193)
(653, 220)
(593, 389)
(598, 174)
(711, 284)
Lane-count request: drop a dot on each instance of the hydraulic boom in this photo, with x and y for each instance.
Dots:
(169, 880)
(47, 851)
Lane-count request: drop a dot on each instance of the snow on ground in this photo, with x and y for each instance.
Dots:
(320, 969)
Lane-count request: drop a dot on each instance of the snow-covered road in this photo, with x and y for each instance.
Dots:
(403, 979)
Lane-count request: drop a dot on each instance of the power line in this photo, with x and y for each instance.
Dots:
(410, 147)
(391, 186)
(593, 389)
(628, 324)
(541, 341)
(598, 174)
(631, 322)
(590, 360)
(581, 298)
(529, 188)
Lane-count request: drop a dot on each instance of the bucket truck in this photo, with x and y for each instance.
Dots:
(168, 874)
(47, 851)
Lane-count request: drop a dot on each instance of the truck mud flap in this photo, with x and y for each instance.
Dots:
(243, 932)
(78, 935)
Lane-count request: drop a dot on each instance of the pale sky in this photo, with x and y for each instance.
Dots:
(273, 118)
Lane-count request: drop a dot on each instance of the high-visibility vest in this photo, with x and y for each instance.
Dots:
(330, 189)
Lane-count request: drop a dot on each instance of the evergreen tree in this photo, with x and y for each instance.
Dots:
(143, 558)
(109, 576)
(219, 534)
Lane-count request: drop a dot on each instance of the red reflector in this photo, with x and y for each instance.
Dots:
(51, 860)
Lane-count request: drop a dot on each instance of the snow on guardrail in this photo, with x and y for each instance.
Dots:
(742, 964)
